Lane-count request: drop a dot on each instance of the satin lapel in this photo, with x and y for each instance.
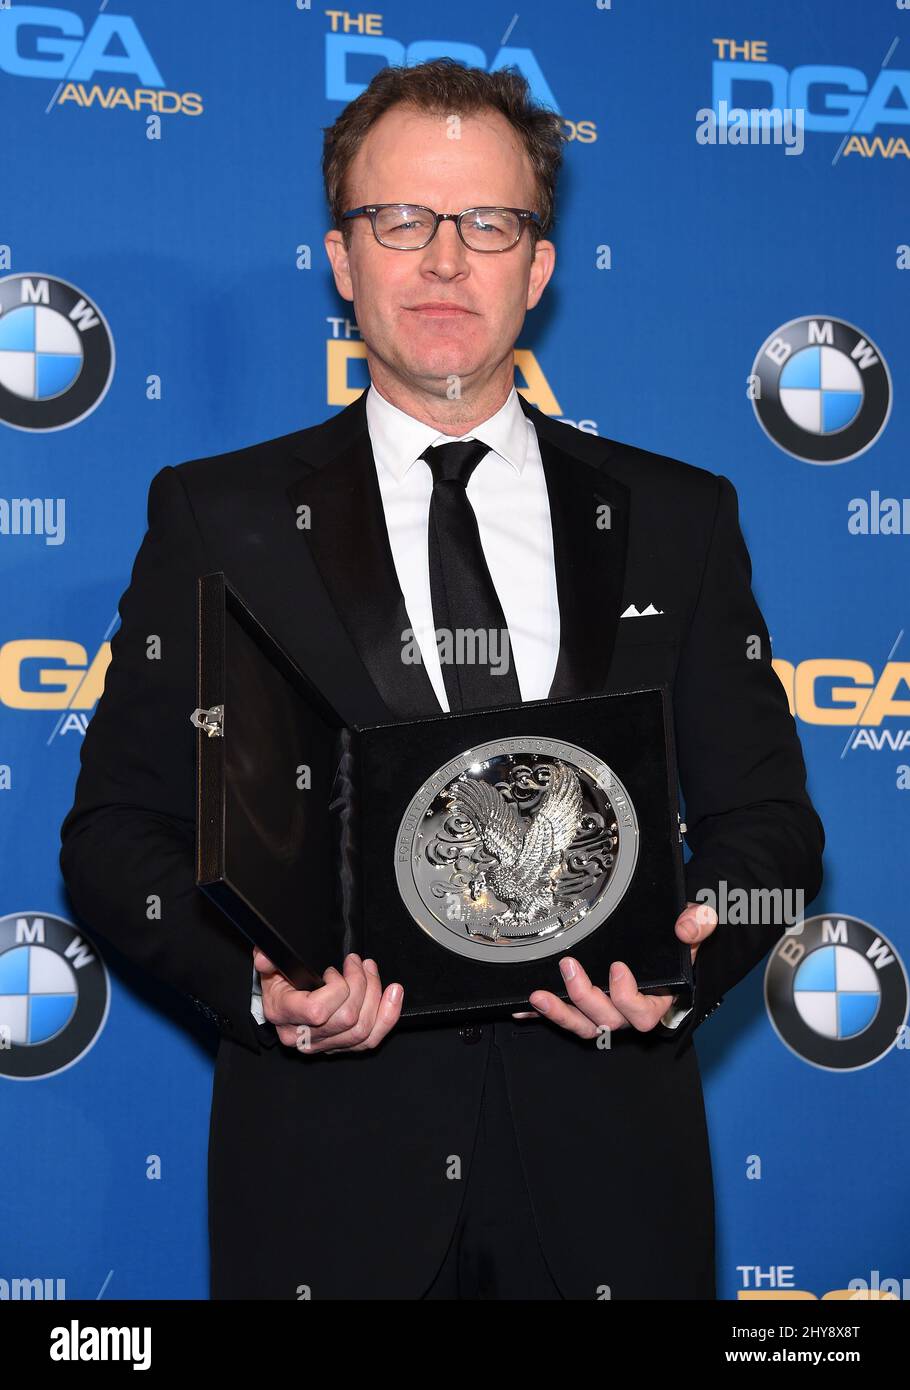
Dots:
(589, 515)
(348, 540)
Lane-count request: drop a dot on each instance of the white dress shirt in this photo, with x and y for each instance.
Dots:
(508, 492)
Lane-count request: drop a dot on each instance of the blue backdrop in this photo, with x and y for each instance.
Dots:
(164, 295)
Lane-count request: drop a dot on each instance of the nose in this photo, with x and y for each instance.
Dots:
(446, 255)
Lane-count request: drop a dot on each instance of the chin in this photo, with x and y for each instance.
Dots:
(440, 362)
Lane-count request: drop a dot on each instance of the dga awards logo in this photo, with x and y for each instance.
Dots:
(56, 353)
(54, 995)
(821, 390)
(836, 992)
(44, 42)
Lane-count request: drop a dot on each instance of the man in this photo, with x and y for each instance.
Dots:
(517, 1159)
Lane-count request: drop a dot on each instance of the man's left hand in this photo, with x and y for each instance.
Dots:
(592, 1010)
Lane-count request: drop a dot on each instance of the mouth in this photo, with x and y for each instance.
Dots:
(440, 310)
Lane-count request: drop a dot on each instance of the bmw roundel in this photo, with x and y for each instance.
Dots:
(836, 992)
(54, 995)
(821, 389)
(56, 353)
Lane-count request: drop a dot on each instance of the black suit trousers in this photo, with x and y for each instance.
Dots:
(495, 1251)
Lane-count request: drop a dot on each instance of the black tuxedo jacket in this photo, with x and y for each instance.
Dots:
(334, 1174)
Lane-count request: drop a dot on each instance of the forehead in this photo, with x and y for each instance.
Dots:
(416, 156)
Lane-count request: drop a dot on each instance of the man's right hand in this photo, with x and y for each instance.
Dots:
(349, 1013)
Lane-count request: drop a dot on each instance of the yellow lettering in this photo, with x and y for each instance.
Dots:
(81, 688)
(70, 93)
(537, 390)
(339, 352)
(808, 672)
(883, 702)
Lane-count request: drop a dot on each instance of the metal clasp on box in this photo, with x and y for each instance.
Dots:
(210, 721)
(682, 827)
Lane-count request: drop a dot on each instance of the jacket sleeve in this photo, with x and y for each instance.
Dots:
(128, 842)
(750, 822)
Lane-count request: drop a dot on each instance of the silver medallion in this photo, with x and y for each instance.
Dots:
(516, 849)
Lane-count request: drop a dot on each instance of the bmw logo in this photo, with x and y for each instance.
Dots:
(836, 992)
(56, 353)
(821, 390)
(54, 995)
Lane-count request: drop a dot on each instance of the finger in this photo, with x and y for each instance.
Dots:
(363, 1031)
(590, 1010)
(262, 963)
(643, 1011)
(339, 1026)
(347, 1016)
(283, 1004)
(566, 1016)
(374, 1026)
(588, 998)
(695, 924)
(387, 1015)
(373, 997)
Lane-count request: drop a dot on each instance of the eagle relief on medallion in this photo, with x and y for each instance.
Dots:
(520, 843)
(522, 854)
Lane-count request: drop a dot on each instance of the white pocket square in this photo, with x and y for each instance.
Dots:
(649, 612)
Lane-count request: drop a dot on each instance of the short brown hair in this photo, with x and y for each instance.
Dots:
(445, 87)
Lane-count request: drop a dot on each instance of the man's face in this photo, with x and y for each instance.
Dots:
(411, 157)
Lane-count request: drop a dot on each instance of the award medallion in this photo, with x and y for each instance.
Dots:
(516, 849)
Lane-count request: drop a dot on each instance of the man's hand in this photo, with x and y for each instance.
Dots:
(592, 1010)
(349, 1013)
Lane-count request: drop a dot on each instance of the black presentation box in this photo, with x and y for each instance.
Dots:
(299, 817)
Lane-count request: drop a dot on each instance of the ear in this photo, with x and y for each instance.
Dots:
(541, 268)
(337, 253)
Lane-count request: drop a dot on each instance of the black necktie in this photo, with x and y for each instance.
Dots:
(471, 631)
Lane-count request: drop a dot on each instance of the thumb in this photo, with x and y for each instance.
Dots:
(695, 923)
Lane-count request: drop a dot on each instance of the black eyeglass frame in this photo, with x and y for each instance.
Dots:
(370, 210)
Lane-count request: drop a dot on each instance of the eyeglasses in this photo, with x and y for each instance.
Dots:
(409, 227)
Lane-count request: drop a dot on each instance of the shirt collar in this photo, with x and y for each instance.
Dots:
(398, 439)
